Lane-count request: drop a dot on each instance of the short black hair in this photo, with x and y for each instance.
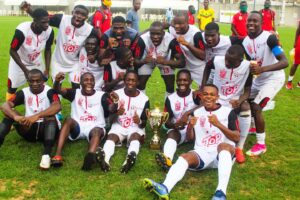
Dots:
(85, 73)
(82, 7)
(243, 2)
(211, 85)
(131, 71)
(93, 37)
(212, 26)
(157, 24)
(39, 13)
(120, 52)
(36, 71)
(236, 51)
(256, 12)
(182, 13)
(184, 71)
(118, 19)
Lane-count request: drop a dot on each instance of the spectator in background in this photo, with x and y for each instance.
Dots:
(205, 15)
(268, 16)
(238, 25)
(169, 15)
(101, 19)
(132, 18)
(191, 12)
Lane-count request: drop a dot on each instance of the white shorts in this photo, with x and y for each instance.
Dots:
(125, 133)
(182, 134)
(84, 132)
(73, 72)
(17, 76)
(265, 92)
(148, 69)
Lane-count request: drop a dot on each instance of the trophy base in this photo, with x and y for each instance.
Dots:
(155, 146)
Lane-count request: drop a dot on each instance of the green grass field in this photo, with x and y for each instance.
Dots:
(274, 175)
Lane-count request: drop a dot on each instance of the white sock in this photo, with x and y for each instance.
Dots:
(109, 149)
(244, 129)
(134, 146)
(170, 148)
(252, 125)
(261, 137)
(176, 173)
(290, 78)
(224, 170)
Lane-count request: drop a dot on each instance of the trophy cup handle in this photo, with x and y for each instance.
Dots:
(148, 113)
(164, 117)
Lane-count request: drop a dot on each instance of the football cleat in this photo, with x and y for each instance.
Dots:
(129, 162)
(45, 162)
(219, 195)
(289, 85)
(298, 85)
(100, 158)
(157, 188)
(163, 161)
(257, 150)
(57, 161)
(240, 157)
(88, 162)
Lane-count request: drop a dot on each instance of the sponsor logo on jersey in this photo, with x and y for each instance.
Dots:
(213, 139)
(229, 89)
(70, 48)
(249, 49)
(29, 101)
(88, 118)
(33, 56)
(28, 40)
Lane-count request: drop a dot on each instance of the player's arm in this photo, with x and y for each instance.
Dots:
(104, 56)
(177, 58)
(54, 20)
(168, 109)
(190, 131)
(67, 93)
(15, 45)
(109, 83)
(47, 53)
(297, 34)
(7, 107)
(208, 67)
(26, 7)
(143, 120)
(247, 89)
(236, 40)
(109, 107)
(198, 48)
(232, 129)
(138, 54)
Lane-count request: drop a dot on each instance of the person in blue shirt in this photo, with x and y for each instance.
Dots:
(132, 18)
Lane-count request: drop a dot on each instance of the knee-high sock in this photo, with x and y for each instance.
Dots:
(170, 148)
(134, 146)
(244, 128)
(224, 170)
(5, 126)
(109, 149)
(176, 173)
(49, 136)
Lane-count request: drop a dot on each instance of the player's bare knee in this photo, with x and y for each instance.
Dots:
(113, 137)
(245, 110)
(96, 132)
(191, 158)
(50, 119)
(227, 147)
(255, 108)
(135, 136)
(175, 135)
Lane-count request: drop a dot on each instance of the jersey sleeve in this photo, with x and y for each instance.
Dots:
(139, 49)
(53, 96)
(233, 123)
(19, 99)
(199, 41)
(168, 108)
(105, 104)
(50, 41)
(175, 48)
(70, 94)
(107, 75)
(143, 115)
(104, 42)
(211, 63)
(273, 44)
(55, 20)
(17, 40)
(98, 19)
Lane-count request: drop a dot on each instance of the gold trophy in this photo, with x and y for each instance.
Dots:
(156, 119)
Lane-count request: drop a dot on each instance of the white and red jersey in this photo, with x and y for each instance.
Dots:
(94, 68)
(69, 42)
(176, 106)
(230, 82)
(207, 136)
(112, 72)
(131, 105)
(260, 49)
(194, 37)
(32, 46)
(88, 110)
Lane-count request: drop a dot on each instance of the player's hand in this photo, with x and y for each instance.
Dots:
(105, 61)
(32, 119)
(113, 43)
(25, 6)
(161, 60)
(127, 42)
(255, 68)
(185, 117)
(149, 59)
(59, 77)
(136, 118)
(197, 94)
(114, 97)
(26, 72)
(235, 103)
(213, 120)
(179, 125)
(182, 41)
(193, 120)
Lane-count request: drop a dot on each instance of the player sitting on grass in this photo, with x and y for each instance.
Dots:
(177, 105)
(88, 111)
(39, 122)
(215, 133)
(233, 79)
(114, 72)
(129, 124)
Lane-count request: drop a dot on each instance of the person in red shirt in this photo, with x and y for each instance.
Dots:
(191, 12)
(238, 25)
(268, 17)
(102, 17)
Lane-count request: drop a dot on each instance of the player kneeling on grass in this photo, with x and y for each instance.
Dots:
(178, 105)
(129, 124)
(39, 122)
(233, 79)
(88, 111)
(215, 132)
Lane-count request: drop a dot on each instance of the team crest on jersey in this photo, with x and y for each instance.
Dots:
(202, 121)
(68, 30)
(213, 139)
(80, 101)
(177, 106)
(29, 40)
(29, 101)
(222, 73)
(249, 49)
(82, 58)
